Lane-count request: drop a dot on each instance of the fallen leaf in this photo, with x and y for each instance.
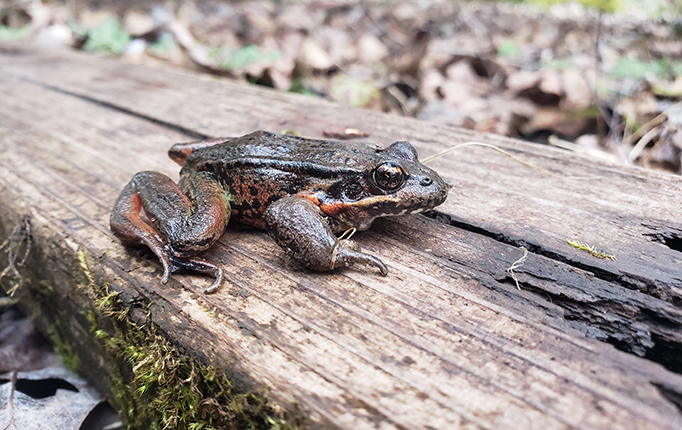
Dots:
(550, 83)
(51, 399)
(577, 92)
(353, 91)
(668, 89)
(137, 23)
(666, 154)
(340, 132)
(544, 119)
(258, 21)
(313, 57)
(371, 49)
(522, 80)
(300, 17)
(638, 108)
(197, 52)
(430, 86)
(22, 347)
(337, 44)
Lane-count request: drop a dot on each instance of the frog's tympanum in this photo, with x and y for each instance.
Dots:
(302, 191)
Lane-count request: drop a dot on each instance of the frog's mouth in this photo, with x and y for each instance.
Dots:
(380, 206)
(419, 194)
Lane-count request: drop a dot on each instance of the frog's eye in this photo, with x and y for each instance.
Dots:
(389, 177)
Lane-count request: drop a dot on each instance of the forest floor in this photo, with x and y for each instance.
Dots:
(607, 85)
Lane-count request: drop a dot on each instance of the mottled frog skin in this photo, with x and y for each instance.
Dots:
(302, 191)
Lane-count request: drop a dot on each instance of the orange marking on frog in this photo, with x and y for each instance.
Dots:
(311, 197)
(335, 208)
(329, 209)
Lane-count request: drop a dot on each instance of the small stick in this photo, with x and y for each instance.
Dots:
(518, 263)
(505, 153)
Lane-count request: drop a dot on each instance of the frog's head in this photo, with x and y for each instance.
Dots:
(393, 183)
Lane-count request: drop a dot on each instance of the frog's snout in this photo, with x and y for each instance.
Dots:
(436, 192)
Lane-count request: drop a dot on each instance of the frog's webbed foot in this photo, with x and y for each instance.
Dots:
(187, 217)
(298, 226)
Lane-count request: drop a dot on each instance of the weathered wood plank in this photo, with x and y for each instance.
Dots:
(446, 340)
(196, 104)
(632, 213)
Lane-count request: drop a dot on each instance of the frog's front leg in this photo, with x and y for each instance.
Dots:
(186, 218)
(298, 226)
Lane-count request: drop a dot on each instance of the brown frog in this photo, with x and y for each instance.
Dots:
(300, 190)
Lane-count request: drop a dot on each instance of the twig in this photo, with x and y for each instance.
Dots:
(7, 301)
(643, 142)
(13, 382)
(20, 234)
(578, 149)
(398, 95)
(505, 153)
(515, 265)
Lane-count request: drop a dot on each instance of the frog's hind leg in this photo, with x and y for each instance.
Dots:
(180, 151)
(185, 219)
(126, 224)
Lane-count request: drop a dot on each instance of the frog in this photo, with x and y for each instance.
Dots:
(310, 195)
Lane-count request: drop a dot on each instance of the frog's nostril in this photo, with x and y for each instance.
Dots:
(425, 182)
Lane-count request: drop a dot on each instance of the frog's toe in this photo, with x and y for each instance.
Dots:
(166, 263)
(202, 266)
(374, 261)
(348, 253)
(216, 284)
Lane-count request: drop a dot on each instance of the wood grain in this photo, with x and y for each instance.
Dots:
(446, 341)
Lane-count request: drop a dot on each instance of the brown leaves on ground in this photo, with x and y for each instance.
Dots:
(596, 80)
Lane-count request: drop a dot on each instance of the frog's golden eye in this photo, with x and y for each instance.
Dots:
(389, 177)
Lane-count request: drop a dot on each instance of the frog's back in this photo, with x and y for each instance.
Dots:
(260, 168)
(264, 148)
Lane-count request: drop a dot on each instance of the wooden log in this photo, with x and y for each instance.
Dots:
(446, 341)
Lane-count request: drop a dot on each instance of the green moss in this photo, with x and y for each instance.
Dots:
(63, 349)
(157, 387)
(45, 294)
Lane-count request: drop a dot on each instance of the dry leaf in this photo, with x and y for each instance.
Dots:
(550, 83)
(577, 92)
(430, 86)
(48, 399)
(522, 80)
(371, 49)
(340, 132)
(313, 57)
(137, 23)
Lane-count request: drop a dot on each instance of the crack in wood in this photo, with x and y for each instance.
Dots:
(669, 236)
(630, 326)
(629, 281)
(671, 393)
